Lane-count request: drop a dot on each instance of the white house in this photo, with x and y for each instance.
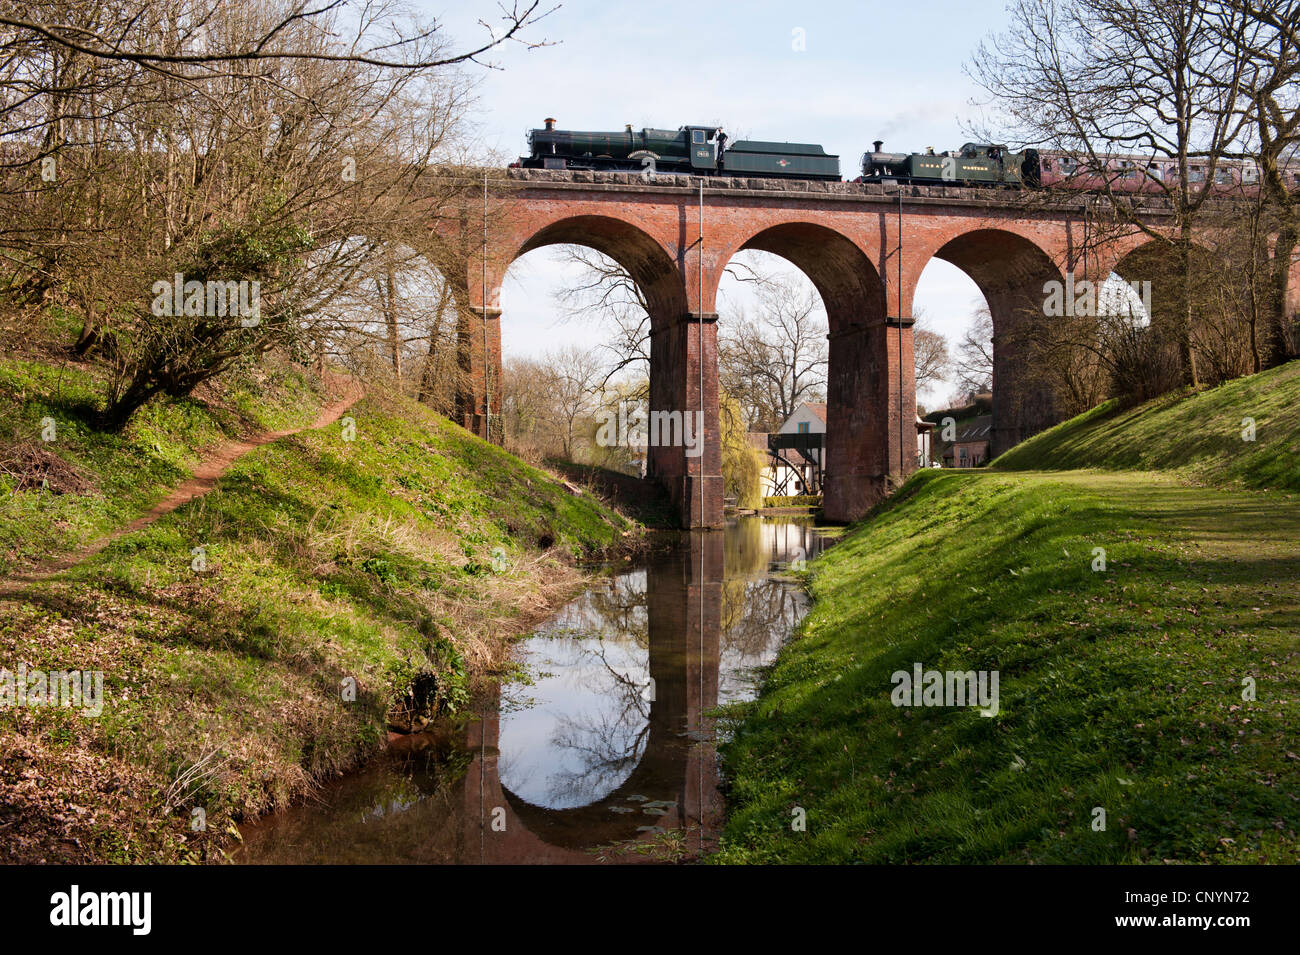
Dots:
(795, 465)
(799, 466)
(808, 418)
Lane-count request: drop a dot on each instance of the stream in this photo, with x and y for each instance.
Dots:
(605, 751)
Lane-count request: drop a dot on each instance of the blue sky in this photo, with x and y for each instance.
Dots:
(873, 70)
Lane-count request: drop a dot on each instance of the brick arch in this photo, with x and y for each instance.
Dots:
(844, 276)
(1155, 261)
(653, 246)
(863, 406)
(646, 259)
(646, 253)
(1011, 271)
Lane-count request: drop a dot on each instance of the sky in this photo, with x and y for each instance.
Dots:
(836, 73)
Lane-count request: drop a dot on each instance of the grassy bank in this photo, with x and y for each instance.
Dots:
(399, 559)
(1201, 438)
(1120, 688)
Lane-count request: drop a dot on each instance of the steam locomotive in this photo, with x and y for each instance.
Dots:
(694, 150)
(974, 164)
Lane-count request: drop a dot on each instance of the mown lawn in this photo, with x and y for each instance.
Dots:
(1120, 689)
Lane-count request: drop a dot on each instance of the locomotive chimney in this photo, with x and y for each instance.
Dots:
(878, 143)
(550, 122)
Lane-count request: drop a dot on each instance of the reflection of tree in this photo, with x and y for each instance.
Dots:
(603, 648)
(763, 614)
(752, 548)
(608, 743)
(745, 552)
(622, 607)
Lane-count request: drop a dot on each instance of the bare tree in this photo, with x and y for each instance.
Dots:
(549, 402)
(1270, 99)
(973, 360)
(231, 145)
(1093, 77)
(774, 358)
(116, 37)
(930, 349)
(577, 375)
(607, 295)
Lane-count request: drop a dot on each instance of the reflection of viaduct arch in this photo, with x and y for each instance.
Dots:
(863, 248)
(436, 798)
(676, 765)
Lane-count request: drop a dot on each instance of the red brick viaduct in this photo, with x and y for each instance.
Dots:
(863, 246)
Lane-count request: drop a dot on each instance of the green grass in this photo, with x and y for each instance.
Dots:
(128, 471)
(1120, 689)
(404, 560)
(1198, 437)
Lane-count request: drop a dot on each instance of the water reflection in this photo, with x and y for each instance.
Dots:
(608, 753)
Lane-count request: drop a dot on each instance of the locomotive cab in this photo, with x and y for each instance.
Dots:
(702, 144)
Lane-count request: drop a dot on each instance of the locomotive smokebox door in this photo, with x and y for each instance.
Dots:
(703, 150)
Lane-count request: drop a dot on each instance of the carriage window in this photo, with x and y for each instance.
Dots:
(1223, 176)
(1196, 174)
(1249, 174)
(1126, 170)
(697, 136)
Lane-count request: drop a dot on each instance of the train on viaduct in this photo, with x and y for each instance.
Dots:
(863, 244)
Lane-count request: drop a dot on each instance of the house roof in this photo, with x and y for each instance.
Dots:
(979, 429)
(973, 431)
(818, 409)
(796, 457)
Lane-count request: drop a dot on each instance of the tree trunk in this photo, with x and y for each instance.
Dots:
(1188, 352)
(389, 300)
(115, 417)
(1278, 332)
(88, 338)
